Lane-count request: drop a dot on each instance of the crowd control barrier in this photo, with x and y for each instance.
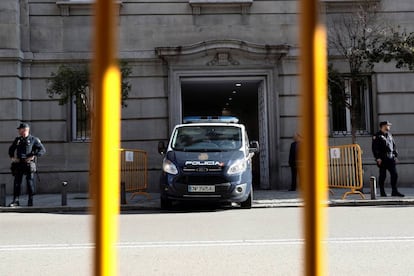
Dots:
(134, 172)
(345, 169)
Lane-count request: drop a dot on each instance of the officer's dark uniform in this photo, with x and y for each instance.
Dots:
(384, 149)
(25, 147)
(293, 164)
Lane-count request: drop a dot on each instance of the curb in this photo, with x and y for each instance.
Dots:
(70, 209)
(258, 205)
(51, 209)
(362, 203)
(356, 203)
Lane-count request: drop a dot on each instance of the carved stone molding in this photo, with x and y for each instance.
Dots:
(243, 5)
(349, 1)
(66, 5)
(223, 48)
(340, 6)
(222, 59)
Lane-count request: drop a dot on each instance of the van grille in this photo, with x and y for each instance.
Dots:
(206, 180)
(203, 169)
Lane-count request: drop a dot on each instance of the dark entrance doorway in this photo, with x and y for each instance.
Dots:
(225, 97)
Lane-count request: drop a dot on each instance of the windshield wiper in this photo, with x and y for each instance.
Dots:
(199, 150)
(208, 150)
(180, 149)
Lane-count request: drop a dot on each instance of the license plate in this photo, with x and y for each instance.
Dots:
(201, 189)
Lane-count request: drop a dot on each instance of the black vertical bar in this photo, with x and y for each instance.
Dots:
(123, 194)
(373, 186)
(64, 193)
(3, 194)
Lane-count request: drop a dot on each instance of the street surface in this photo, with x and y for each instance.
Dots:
(361, 241)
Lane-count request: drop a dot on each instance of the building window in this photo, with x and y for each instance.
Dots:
(81, 123)
(349, 100)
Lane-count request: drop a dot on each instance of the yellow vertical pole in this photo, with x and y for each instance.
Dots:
(314, 128)
(105, 157)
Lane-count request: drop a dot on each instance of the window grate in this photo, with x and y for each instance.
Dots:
(81, 123)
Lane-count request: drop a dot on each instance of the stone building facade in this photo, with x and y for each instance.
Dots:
(187, 56)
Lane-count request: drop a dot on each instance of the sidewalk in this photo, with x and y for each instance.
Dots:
(79, 202)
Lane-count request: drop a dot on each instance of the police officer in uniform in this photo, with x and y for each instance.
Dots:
(23, 151)
(293, 160)
(385, 153)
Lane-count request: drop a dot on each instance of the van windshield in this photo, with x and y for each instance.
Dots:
(207, 138)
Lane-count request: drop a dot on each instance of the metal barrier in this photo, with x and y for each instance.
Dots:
(345, 169)
(134, 172)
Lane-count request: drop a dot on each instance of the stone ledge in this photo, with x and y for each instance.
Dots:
(335, 6)
(11, 54)
(348, 1)
(66, 5)
(197, 5)
(222, 45)
(220, 2)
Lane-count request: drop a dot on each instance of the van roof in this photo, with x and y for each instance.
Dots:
(210, 119)
(210, 124)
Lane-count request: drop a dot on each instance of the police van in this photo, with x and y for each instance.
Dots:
(208, 159)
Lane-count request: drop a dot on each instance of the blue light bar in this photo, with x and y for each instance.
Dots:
(210, 119)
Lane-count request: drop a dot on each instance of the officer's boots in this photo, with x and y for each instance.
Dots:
(395, 192)
(15, 202)
(30, 201)
(382, 191)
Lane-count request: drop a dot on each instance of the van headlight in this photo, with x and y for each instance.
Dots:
(169, 167)
(237, 167)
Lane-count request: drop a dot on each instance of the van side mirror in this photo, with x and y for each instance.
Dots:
(161, 147)
(254, 147)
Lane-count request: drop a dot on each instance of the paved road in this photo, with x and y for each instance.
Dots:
(361, 241)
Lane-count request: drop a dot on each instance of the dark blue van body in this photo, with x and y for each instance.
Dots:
(208, 162)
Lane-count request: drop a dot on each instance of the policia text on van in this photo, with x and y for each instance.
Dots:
(208, 159)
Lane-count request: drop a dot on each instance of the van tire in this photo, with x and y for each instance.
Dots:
(247, 204)
(166, 204)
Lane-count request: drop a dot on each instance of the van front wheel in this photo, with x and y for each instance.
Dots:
(247, 204)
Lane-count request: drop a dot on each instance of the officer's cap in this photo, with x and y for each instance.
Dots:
(385, 123)
(23, 125)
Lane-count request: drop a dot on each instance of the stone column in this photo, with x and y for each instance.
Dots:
(11, 57)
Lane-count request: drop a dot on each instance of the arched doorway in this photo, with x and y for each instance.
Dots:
(207, 73)
(231, 97)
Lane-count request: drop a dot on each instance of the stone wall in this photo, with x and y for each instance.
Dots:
(36, 36)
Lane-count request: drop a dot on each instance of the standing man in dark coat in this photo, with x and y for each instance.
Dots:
(23, 151)
(385, 153)
(293, 160)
